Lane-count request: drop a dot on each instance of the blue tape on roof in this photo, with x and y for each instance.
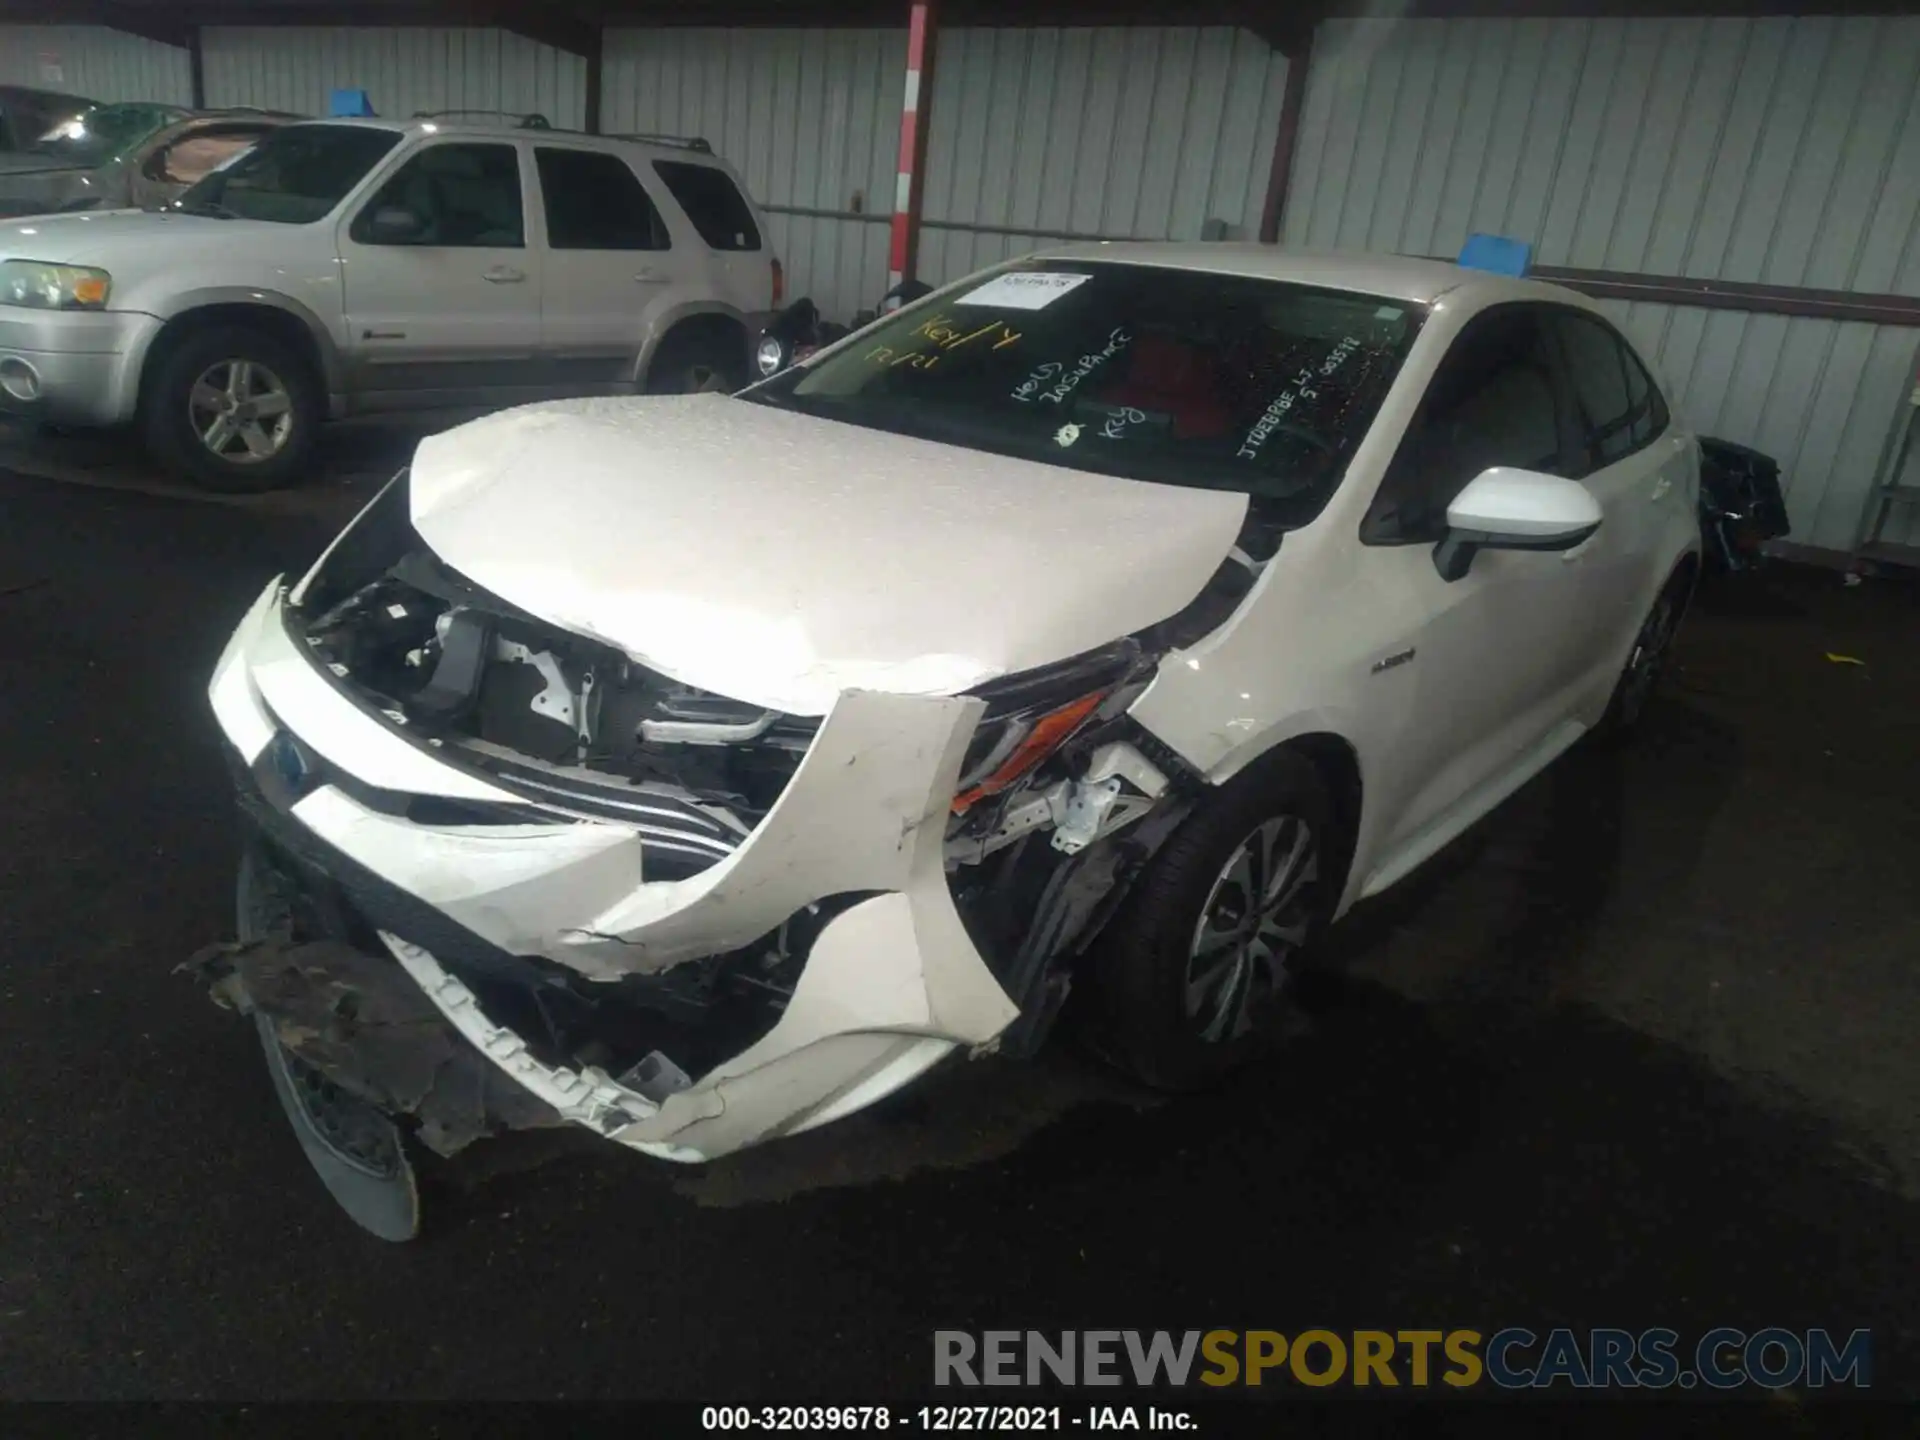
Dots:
(1496, 253)
(349, 102)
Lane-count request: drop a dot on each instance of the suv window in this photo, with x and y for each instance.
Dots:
(294, 176)
(713, 202)
(464, 196)
(196, 155)
(1491, 402)
(594, 201)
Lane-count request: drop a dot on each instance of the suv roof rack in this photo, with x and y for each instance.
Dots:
(683, 142)
(532, 120)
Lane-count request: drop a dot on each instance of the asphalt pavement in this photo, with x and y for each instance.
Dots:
(1633, 1054)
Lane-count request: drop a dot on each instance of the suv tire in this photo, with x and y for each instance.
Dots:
(1178, 1004)
(693, 360)
(232, 409)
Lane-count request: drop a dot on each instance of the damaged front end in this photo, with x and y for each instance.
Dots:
(685, 922)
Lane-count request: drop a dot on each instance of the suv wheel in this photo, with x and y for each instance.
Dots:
(693, 362)
(1204, 952)
(233, 409)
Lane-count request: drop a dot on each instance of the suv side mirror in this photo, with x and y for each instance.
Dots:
(1508, 509)
(392, 225)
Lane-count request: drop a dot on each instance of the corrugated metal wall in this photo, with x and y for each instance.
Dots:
(403, 70)
(1141, 133)
(810, 118)
(94, 61)
(1781, 151)
(1101, 132)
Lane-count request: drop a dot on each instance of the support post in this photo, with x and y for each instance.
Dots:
(905, 252)
(196, 67)
(1287, 137)
(593, 80)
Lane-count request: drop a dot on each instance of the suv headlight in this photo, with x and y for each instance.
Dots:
(44, 286)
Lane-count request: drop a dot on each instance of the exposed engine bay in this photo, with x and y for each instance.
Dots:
(1059, 798)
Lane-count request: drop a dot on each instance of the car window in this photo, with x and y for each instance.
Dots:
(463, 196)
(1180, 377)
(192, 157)
(102, 133)
(594, 201)
(294, 176)
(1649, 407)
(1492, 401)
(1597, 368)
(713, 202)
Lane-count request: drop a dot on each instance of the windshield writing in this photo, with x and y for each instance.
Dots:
(1174, 376)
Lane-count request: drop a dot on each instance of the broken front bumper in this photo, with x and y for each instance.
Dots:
(891, 985)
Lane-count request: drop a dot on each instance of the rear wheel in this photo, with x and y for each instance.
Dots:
(1647, 661)
(693, 361)
(1203, 955)
(232, 409)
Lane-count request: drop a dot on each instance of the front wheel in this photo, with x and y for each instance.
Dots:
(1202, 955)
(233, 409)
(697, 362)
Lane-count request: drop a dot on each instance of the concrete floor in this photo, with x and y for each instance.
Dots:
(1638, 1052)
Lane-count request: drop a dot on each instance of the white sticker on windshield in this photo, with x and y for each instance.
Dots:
(1023, 289)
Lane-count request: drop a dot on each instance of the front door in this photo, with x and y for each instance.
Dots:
(442, 288)
(1493, 656)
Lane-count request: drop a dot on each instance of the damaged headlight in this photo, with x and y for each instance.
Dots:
(1031, 715)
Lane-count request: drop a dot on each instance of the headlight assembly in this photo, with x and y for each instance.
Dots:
(42, 285)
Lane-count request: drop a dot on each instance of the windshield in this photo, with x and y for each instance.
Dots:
(294, 176)
(102, 133)
(1176, 376)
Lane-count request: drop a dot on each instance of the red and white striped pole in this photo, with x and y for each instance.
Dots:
(913, 147)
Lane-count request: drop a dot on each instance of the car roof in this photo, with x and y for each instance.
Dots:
(507, 126)
(1392, 277)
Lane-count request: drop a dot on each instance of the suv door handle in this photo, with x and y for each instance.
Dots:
(649, 277)
(504, 275)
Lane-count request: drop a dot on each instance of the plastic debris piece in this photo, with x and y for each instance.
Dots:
(1844, 659)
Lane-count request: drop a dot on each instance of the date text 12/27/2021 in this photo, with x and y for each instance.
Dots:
(943, 1419)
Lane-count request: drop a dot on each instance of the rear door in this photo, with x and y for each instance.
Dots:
(613, 268)
(449, 315)
(727, 235)
(1633, 460)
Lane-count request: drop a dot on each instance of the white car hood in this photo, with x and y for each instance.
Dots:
(781, 559)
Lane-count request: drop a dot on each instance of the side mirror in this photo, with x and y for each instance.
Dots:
(1507, 509)
(391, 225)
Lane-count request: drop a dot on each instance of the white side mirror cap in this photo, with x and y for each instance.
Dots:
(1522, 506)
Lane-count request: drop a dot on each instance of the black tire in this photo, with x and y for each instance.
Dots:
(1138, 978)
(1647, 660)
(177, 444)
(695, 359)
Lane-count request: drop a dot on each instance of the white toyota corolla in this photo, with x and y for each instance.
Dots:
(701, 770)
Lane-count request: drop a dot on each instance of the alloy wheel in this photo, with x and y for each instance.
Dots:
(1649, 656)
(241, 411)
(1255, 917)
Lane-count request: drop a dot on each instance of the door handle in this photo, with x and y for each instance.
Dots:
(504, 275)
(1660, 488)
(648, 277)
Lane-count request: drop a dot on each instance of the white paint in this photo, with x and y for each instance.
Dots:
(827, 569)
(781, 559)
(1023, 289)
(1507, 501)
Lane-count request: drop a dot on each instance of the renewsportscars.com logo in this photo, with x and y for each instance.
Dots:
(1511, 1359)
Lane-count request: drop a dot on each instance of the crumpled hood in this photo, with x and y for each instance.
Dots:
(780, 559)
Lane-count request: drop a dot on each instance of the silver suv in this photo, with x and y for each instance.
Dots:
(346, 267)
